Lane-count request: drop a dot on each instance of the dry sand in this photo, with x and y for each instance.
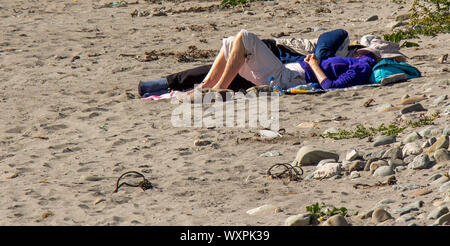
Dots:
(69, 109)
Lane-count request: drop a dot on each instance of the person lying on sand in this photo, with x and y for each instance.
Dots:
(246, 55)
(331, 43)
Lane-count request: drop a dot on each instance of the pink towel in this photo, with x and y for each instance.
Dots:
(163, 96)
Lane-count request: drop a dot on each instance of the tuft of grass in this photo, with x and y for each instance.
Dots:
(322, 211)
(392, 129)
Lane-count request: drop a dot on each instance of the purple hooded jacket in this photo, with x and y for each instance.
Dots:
(342, 72)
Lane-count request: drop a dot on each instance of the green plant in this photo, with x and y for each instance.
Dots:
(428, 17)
(321, 211)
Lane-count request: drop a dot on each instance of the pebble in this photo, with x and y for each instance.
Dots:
(46, 214)
(376, 164)
(413, 108)
(421, 192)
(441, 143)
(323, 162)
(384, 107)
(420, 162)
(374, 155)
(357, 166)
(355, 175)
(412, 137)
(372, 18)
(383, 140)
(439, 100)
(380, 215)
(202, 142)
(427, 131)
(327, 170)
(319, 29)
(386, 201)
(441, 155)
(406, 99)
(306, 125)
(411, 149)
(444, 219)
(439, 181)
(298, 220)
(393, 153)
(434, 177)
(352, 155)
(445, 187)
(409, 158)
(268, 134)
(429, 142)
(384, 171)
(405, 218)
(336, 220)
(394, 163)
(399, 169)
(437, 212)
(99, 200)
(271, 154)
(264, 210)
(308, 155)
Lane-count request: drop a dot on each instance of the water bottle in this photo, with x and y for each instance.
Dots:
(275, 87)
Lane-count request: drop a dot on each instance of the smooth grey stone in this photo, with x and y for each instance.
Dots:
(444, 219)
(413, 224)
(400, 168)
(308, 155)
(298, 220)
(372, 18)
(412, 137)
(409, 159)
(336, 220)
(413, 108)
(437, 212)
(323, 162)
(383, 171)
(405, 218)
(434, 177)
(406, 187)
(380, 215)
(393, 153)
(441, 155)
(439, 100)
(417, 204)
(411, 149)
(439, 181)
(445, 187)
(446, 131)
(383, 106)
(420, 162)
(355, 174)
(352, 155)
(383, 140)
(402, 211)
(374, 155)
(385, 201)
(394, 163)
(271, 154)
(427, 131)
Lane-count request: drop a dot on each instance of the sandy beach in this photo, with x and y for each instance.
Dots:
(72, 121)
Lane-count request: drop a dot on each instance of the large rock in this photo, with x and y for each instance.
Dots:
(393, 153)
(374, 155)
(383, 140)
(264, 210)
(411, 149)
(437, 212)
(357, 166)
(336, 220)
(380, 215)
(441, 155)
(384, 171)
(327, 170)
(376, 164)
(298, 220)
(430, 131)
(420, 162)
(441, 143)
(352, 155)
(413, 108)
(308, 155)
(412, 137)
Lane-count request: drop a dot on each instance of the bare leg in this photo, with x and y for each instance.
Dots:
(233, 64)
(216, 70)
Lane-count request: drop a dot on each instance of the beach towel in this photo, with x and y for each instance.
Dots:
(163, 96)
